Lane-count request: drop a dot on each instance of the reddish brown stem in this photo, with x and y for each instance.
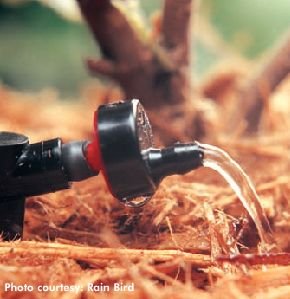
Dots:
(282, 259)
(176, 28)
(91, 254)
(255, 93)
(154, 74)
(117, 40)
(176, 40)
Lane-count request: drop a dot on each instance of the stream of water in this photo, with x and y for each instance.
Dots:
(218, 160)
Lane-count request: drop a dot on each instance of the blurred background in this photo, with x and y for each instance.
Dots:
(43, 43)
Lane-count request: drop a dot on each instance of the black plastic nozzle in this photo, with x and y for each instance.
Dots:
(177, 159)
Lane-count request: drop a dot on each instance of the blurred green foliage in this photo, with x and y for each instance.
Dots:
(250, 26)
(39, 49)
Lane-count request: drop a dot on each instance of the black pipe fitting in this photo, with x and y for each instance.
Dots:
(35, 169)
(122, 149)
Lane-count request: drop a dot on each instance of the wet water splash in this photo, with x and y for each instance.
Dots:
(220, 161)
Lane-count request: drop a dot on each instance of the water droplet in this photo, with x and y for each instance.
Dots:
(136, 202)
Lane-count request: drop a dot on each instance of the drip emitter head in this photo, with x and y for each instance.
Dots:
(122, 149)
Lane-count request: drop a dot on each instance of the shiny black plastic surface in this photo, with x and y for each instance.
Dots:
(124, 132)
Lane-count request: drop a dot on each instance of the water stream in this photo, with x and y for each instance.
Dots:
(218, 160)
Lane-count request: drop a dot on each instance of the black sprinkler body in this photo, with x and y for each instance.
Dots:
(122, 150)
